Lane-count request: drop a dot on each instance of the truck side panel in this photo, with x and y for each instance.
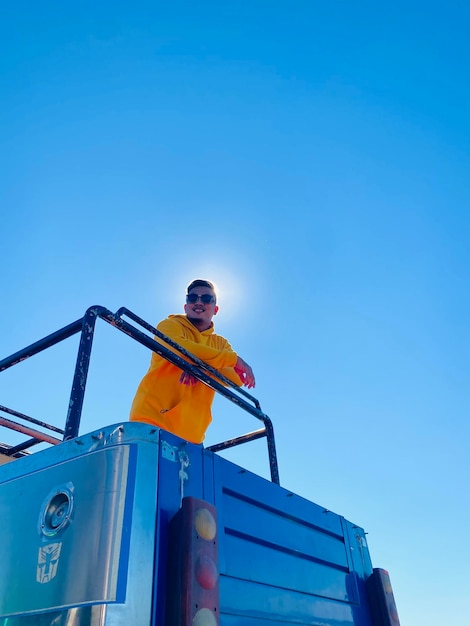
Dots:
(286, 557)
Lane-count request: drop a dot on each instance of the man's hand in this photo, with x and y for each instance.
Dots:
(188, 379)
(245, 372)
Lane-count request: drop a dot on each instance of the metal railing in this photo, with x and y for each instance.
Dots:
(37, 436)
(86, 327)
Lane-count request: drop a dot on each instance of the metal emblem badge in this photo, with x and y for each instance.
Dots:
(48, 560)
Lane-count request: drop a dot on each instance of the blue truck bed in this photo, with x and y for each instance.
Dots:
(280, 557)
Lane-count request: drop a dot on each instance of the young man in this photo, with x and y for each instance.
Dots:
(174, 400)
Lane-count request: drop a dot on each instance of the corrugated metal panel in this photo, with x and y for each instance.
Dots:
(282, 557)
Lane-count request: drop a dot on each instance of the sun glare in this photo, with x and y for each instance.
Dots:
(232, 287)
(240, 278)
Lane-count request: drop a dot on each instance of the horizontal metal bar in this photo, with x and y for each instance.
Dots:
(236, 441)
(28, 431)
(22, 446)
(5, 409)
(41, 345)
(6, 451)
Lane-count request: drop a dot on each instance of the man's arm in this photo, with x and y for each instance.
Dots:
(241, 367)
(217, 357)
(245, 372)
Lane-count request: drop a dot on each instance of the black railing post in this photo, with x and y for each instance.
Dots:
(77, 394)
(271, 450)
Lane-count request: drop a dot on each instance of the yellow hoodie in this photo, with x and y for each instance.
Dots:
(161, 399)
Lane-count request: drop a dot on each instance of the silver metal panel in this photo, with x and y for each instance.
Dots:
(99, 492)
(81, 616)
(62, 533)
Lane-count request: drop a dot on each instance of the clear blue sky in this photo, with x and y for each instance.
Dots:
(312, 158)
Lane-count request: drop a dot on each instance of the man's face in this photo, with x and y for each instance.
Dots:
(201, 313)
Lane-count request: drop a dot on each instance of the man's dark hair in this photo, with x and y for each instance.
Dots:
(200, 282)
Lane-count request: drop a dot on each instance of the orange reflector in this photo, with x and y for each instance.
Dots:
(205, 525)
(204, 617)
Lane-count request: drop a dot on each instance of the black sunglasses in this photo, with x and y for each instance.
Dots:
(206, 298)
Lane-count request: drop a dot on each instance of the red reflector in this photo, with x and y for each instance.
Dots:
(206, 572)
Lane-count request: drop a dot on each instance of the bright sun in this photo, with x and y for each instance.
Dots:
(231, 286)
